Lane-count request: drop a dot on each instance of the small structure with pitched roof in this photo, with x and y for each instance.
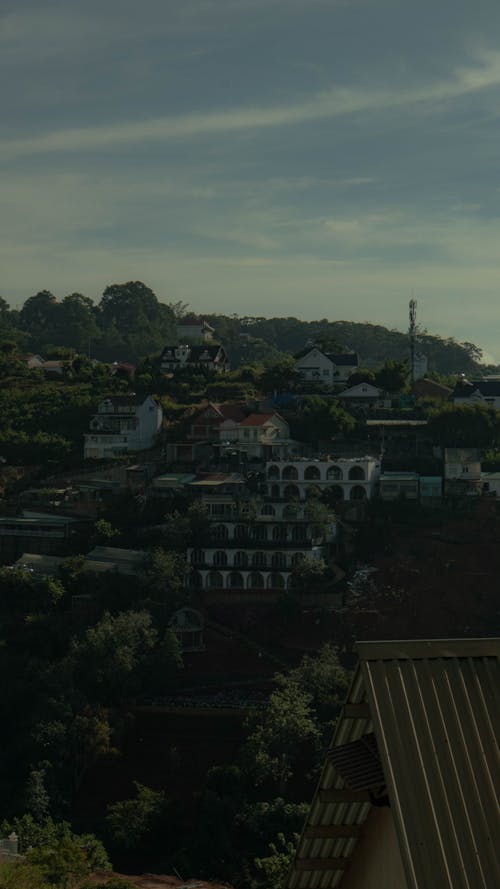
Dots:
(409, 794)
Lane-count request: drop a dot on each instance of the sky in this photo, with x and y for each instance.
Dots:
(317, 158)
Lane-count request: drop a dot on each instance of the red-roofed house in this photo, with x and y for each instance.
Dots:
(263, 435)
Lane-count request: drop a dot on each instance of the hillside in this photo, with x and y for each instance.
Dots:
(247, 337)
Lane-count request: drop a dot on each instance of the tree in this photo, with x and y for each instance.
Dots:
(105, 532)
(37, 798)
(21, 875)
(133, 823)
(280, 376)
(393, 376)
(39, 316)
(274, 867)
(476, 426)
(278, 735)
(165, 575)
(142, 323)
(108, 660)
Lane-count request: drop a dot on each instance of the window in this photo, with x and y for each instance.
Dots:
(273, 472)
(268, 509)
(312, 472)
(220, 532)
(278, 561)
(290, 473)
(197, 557)
(357, 473)
(334, 473)
(220, 558)
(259, 560)
(240, 560)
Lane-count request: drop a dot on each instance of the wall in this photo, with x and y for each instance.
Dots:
(376, 863)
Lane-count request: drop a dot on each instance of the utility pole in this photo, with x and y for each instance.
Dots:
(412, 335)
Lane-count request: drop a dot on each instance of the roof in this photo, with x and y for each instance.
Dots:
(433, 706)
(259, 419)
(229, 411)
(125, 400)
(344, 359)
(217, 478)
(361, 390)
(487, 388)
(425, 388)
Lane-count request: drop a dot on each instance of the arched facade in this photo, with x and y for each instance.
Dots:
(290, 473)
(356, 473)
(357, 493)
(240, 559)
(255, 581)
(220, 558)
(291, 492)
(235, 581)
(333, 473)
(311, 473)
(273, 472)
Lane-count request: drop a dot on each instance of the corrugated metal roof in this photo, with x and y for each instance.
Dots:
(435, 707)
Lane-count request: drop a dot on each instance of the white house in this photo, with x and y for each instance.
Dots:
(260, 435)
(194, 329)
(364, 395)
(325, 367)
(462, 471)
(123, 423)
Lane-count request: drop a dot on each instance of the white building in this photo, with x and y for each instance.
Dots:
(364, 395)
(472, 392)
(123, 423)
(345, 479)
(325, 367)
(209, 357)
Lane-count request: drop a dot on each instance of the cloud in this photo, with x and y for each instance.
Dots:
(324, 105)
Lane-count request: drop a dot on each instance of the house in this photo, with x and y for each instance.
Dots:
(399, 486)
(193, 328)
(408, 795)
(38, 532)
(462, 471)
(327, 368)
(364, 396)
(260, 436)
(123, 423)
(33, 362)
(424, 388)
(485, 392)
(215, 423)
(209, 358)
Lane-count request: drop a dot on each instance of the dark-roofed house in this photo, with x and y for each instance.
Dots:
(409, 794)
(123, 423)
(327, 368)
(206, 357)
(477, 392)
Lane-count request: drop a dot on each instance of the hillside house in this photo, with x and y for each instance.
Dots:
(462, 471)
(408, 795)
(327, 368)
(206, 358)
(195, 329)
(123, 424)
(472, 392)
(364, 396)
(215, 423)
(399, 486)
(260, 436)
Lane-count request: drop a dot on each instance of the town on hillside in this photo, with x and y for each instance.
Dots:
(205, 523)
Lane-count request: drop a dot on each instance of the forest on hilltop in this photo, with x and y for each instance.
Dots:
(130, 322)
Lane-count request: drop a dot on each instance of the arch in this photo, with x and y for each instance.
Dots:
(186, 619)
(273, 472)
(196, 580)
(357, 493)
(299, 533)
(197, 557)
(259, 560)
(214, 580)
(297, 558)
(240, 532)
(334, 474)
(278, 561)
(219, 558)
(290, 473)
(335, 492)
(275, 582)
(240, 560)
(290, 511)
(279, 532)
(268, 509)
(220, 532)
(312, 472)
(291, 492)
(235, 581)
(357, 473)
(255, 581)
(259, 532)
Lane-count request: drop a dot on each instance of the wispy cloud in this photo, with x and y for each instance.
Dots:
(327, 104)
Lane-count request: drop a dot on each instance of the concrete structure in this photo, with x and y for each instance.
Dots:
(123, 424)
(326, 368)
(408, 796)
(431, 488)
(345, 479)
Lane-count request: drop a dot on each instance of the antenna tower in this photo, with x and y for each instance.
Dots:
(412, 335)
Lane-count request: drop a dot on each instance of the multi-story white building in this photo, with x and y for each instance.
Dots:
(345, 479)
(123, 423)
(254, 543)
